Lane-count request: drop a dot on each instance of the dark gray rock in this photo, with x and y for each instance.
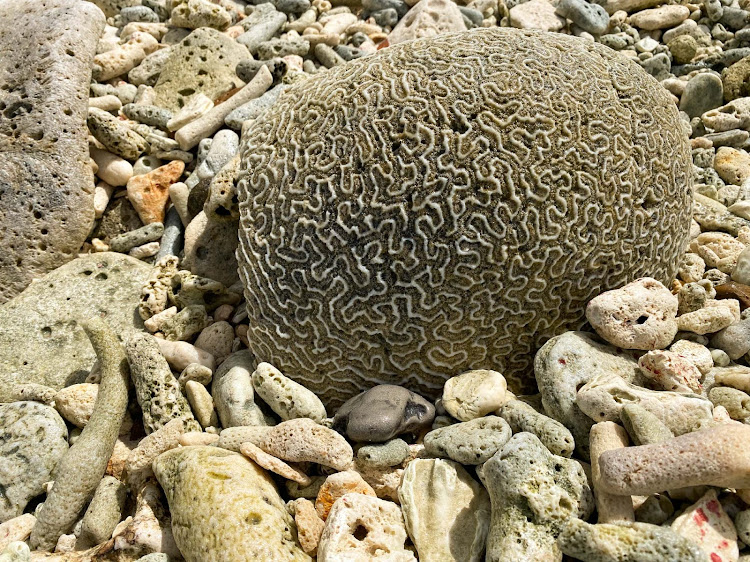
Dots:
(589, 17)
(46, 183)
(384, 411)
(33, 437)
(41, 340)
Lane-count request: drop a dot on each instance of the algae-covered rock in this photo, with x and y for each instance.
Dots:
(446, 204)
(533, 494)
(225, 508)
(41, 340)
(33, 437)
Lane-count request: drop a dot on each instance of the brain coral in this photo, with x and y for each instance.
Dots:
(452, 203)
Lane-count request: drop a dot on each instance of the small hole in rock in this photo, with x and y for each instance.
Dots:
(642, 319)
(360, 533)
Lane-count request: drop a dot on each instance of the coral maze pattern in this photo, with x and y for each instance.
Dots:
(451, 203)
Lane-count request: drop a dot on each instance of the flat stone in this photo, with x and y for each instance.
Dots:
(427, 19)
(202, 62)
(33, 438)
(225, 508)
(46, 183)
(707, 524)
(40, 337)
(660, 18)
(383, 412)
(446, 511)
(536, 14)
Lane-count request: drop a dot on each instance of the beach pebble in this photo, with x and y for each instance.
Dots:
(377, 525)
(554, 435)
(699, 355)
(338, 485)
(536, 14)
(124, 57)
(734, 401)
(138, 464)
(197, 438)
(532, 492)
(713, 457)
(269, 462)
(606, 436)
(626, 542)
(655, 510)
(129, 240)
(76, 402)
(707, 320)
(224, 507)
(201, 404)
(16, 529)
(309, 525)
(446, 511)
(390, 453)
(34, 439)
(285, 397)
(302, 439)
(217, 340)
(640, 315)
(588, 16)
(718, 249)
(115, 135)
(426, 19)
(692, 268)
(644, 427)
(732, 165)
(707, 524)
(113, 170)
(180, 354)
(186, 323)
(666, 370)
(659, 18)
(103, 513)
(233, 394)
(194, 14)
(232, 438)
(383, 412)
(734, 339)
(474, 394)
(195, 372)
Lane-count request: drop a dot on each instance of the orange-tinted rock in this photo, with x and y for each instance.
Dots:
(149, 192)
(338, 485)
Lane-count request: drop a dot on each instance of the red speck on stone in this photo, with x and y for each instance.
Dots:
(723, 544)
(713, 506)
(715, 557)
(383, 44)
(700, 516)
(562, 361)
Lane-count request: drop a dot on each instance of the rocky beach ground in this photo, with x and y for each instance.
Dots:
(140, 421)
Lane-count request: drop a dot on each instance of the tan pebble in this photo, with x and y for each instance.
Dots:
(180, 354)
(99, 246)
(718, 456)
(223, 313)
(381, 523)
(640, 315)
(309, 525)
(157, 321)
(666, 370)
(76, 402)
(232, 437)
(659, 18)
(124, 57)
(269, 462)
(302, 439)
(17, 529)
(195, 372)
(607, 436)
(197, 105)
(385, 481)
(706, 320)
(699, 355)
(202, 404)
(736, 376)
(336, 486)
(707, 524)
(149, 192)
(217, 340)
(197, 438)
(145, 251)
(107, 103)
(474, 394)
(732, 165)
(113, 170)
(163, 439)
(66, 543)
(102, 193)
(178, 194)
(120, 454)
(718, 249)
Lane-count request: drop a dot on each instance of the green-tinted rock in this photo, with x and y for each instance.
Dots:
(736, 80)
(225, 508)
(41, 340)
(626, 542)
(202, 62)
(472, 442)
(447, 512)
(533, 493)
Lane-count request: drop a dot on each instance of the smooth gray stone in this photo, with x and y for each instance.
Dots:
(382, 412)
(147, 233)
(33, 438)
(702, 93)
(173, 238)
(253, 109)
(46, 183)
(264, 26)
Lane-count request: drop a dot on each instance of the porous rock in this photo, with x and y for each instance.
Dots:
(33, 438)
(40, 337)
(532, 493)
(303, 440)
(471, 442)
(224, 508)
(386, 222)
(46, 183)
(427, 19)
(446, 511)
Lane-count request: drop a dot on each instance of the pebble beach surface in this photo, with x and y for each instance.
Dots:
(138, 422)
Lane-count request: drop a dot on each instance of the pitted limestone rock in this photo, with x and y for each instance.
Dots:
(533, 494)
(41, 340)
(425, 203)
(46, 184)
(472, 442)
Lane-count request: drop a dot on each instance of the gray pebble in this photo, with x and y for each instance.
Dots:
(385, 18)
(124, 91)
(135, 13)
(233, 393)
(658, 66)
(588, 16)
(104, 512)
(375, 5)
(125, 242)
(173, 238)
(348, 52)
(287, 398)
(247, 69)
(470, 443)
(253, 109)
(702, 92)
(382, 412)
(473, 16)
(274, 48)
(742, 523)
(115, 135)
(327, 56)
(159, 7)
(655, 510)
(390, 453)
(262, 26)
(643, 427)
(147, 73)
